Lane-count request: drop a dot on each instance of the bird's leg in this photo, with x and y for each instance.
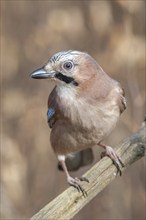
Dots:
(73, 181)
(110, 152)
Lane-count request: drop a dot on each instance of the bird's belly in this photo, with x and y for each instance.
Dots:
(66, 137)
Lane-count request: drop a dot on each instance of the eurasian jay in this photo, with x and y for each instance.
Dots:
(83, 108)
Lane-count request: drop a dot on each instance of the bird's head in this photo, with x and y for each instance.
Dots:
(69, 68)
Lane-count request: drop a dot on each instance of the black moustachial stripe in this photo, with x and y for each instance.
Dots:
(66, 79)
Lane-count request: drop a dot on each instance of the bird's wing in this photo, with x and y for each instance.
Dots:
(52, 113)
(50, 116)
(122, 101)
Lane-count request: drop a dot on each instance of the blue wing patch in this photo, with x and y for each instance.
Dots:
(50, 114)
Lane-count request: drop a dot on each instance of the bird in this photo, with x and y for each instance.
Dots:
(83, 108)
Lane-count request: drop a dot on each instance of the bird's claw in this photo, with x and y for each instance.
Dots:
(115, 158)
(83, 179)
(75, 183)
(118, 166)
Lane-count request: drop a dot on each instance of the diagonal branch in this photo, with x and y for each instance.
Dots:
(67, 204)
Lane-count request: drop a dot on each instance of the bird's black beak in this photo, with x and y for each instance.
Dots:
(42, 74)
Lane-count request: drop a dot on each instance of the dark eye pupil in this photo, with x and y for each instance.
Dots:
(68, 65)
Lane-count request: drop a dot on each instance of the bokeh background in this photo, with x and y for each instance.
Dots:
(113, 32)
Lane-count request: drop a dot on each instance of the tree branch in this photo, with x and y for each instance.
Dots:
(67, 204)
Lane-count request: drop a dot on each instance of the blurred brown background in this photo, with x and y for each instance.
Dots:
(113, 32)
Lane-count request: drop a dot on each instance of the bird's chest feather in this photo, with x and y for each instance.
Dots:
(83, 123)
(87, 113)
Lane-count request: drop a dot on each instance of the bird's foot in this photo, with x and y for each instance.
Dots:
(75, 182)
(109, 151)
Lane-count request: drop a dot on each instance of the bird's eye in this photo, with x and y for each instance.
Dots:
(68, 65)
